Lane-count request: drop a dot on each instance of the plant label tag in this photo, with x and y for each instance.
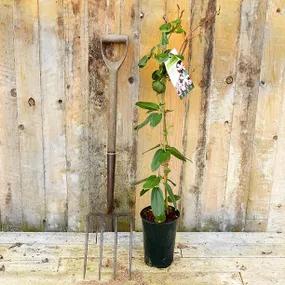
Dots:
(178, 75)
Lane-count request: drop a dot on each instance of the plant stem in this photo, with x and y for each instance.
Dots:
(164, 145)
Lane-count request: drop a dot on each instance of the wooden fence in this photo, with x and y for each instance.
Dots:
(54, 102)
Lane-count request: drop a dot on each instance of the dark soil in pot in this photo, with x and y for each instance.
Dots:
(159, 239)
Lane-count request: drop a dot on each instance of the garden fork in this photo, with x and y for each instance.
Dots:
(102, 219)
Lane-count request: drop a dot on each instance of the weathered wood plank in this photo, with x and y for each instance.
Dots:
(98, 102)
(76, 111)
(128, 80)
(201, 51)
(267, 180)
(29, 103)
(151, 19)
(219, 114)
(176, 119)
(52, 86)
(10, 186)
(253, 16)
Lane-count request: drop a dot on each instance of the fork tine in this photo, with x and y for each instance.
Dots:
(96, 226)
(130, 247)
(86, 247)
(115, 246)
(101, 248)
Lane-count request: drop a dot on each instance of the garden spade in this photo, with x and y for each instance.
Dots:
(113, 65)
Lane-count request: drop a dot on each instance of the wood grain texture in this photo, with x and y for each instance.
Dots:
(128, 80)
(151, 16)
(118, 17)
(244, 114)
(52, 47)
(275, 119)
(54, 104)
(98, 102)
(176, 119)
(219, 114)
(76, 111)
(201, 51)
(29, 105)
(10, 180)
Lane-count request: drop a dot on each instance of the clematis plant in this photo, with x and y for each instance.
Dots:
(158, 182)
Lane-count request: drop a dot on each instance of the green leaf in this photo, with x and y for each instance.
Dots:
(158, 86)
(152, 148)
(162, 57)
(179, 30)
(157, 204)
(165, 27)
(155, 119)
(175, 152)
(159, 157)
(151, 182)
(139, 182)
(176, 198)
(143, 191)
(164, 39)
(180, 56)
(171, 195)
(156, 75)
(147, 105)
(141, 125)
(143, 61)
(177, 21)
(173, 183)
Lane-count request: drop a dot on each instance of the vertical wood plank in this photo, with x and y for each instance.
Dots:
(98, 102)
(10, 186)
(176, 119)
(52, 87)
(201, 51)
(219, 114)
(27, 65)
(76, 110)
(245, 104)
(274, 78)
(127, 96)
(267, 122)
(151, 18)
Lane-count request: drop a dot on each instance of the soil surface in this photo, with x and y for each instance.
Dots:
(172, 215)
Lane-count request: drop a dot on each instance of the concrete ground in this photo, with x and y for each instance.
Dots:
(200, 259)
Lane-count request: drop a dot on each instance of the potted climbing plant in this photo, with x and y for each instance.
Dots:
(160, 218)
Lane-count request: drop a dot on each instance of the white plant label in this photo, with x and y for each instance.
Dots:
(178, 75)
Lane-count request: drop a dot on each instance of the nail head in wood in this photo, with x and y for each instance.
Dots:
(31, 102)
(21, 127)
(131, 80)
(13, 92)
(229, 80)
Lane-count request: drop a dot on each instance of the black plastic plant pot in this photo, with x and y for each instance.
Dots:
(159, 241)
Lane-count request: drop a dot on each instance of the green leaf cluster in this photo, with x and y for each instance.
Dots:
(154, 114)
(153, 184)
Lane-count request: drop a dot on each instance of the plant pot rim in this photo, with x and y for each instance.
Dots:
(159, 224)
